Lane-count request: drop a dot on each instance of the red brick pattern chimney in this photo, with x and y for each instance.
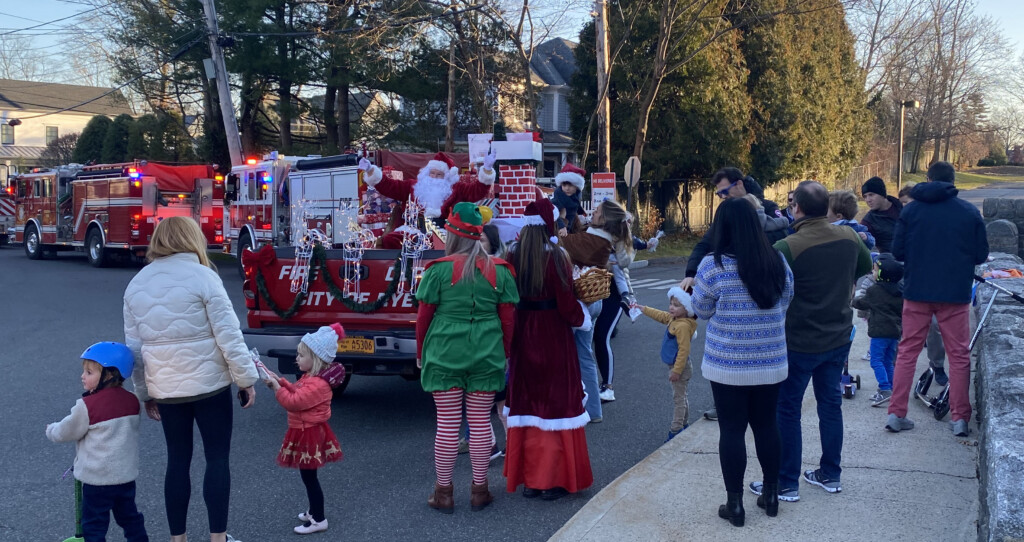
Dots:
(517, 187)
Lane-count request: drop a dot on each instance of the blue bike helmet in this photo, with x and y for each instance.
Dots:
(111, 354)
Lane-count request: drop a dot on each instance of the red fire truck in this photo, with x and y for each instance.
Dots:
(266, 196)
(113, 208)
(6, 215)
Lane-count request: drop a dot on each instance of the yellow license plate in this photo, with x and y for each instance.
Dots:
(356, 345)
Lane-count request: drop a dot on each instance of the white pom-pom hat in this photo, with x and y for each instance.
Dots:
(324, 341)
(683, 298)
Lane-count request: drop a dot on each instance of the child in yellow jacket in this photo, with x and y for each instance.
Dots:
(675, 351)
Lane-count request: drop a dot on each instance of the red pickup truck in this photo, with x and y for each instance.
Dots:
(379, 321)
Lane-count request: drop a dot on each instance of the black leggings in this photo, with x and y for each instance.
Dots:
(213, 416)
(315, 494)
(737, 407)
(611, 310)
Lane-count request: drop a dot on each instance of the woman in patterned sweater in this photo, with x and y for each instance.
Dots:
(743, 288)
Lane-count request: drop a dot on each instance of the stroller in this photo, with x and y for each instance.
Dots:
(939, 403)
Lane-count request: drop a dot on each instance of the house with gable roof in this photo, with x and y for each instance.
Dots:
(32, 114)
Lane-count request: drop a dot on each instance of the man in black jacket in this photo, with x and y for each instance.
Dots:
(940, 238)
(883, 214)
(730, 183)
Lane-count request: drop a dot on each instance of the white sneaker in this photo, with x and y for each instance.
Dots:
(305, 516)
(312, 527)
(866, 356)
(607, 395)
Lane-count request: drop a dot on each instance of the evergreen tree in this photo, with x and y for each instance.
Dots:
(115, 144)
(89, 148)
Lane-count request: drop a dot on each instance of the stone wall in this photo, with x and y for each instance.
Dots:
(999, 385)
(1004, 219)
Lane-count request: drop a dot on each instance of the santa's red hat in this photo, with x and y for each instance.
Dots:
(541, 213)
(442, 162)
(571, 174)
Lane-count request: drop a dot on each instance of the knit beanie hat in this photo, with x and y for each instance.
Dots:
(682, 297)
(324, 341)
(874, 185)
(889, 270)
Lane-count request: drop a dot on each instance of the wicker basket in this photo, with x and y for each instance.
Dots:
(593, 285)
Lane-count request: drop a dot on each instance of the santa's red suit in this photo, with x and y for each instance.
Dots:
(436, 194)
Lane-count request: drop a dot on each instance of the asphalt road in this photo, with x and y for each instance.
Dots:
(53, 309)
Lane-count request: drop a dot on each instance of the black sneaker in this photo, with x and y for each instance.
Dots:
(496, 453)
(940, 376)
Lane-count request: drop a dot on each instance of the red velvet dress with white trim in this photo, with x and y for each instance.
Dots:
(547, 442)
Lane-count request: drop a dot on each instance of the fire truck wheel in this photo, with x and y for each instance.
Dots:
(94, 249)
(33, 246)
(244, 242)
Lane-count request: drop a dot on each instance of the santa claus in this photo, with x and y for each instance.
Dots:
(437, 187)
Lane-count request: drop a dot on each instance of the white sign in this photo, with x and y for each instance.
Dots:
(479, 144)
(632, 174)
(602, 187)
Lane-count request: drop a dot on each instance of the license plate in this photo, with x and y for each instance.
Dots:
(356, 345)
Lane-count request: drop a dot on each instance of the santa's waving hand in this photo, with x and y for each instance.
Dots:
(437, 187)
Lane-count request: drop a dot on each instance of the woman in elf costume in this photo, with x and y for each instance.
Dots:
(463, 335)
(547, 444)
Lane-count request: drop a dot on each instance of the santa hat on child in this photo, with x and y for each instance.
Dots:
(443, 163)
(682, 297)
(541, 213)
(571, 174)
(324, 341)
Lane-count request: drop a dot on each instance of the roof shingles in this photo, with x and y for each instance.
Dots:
(35, 96)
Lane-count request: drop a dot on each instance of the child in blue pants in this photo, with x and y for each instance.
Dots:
(884, 300)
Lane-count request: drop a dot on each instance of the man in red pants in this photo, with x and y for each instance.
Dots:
(940, 238)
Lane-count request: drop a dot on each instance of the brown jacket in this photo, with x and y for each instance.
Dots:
(588, 249)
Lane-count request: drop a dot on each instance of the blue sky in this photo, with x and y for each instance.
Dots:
(1009, 14)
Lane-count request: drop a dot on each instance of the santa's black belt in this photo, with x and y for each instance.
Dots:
(543, 305)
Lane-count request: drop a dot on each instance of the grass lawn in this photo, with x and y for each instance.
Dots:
(976, 177)
(675, 245)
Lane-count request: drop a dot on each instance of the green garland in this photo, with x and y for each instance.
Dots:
(318, 264)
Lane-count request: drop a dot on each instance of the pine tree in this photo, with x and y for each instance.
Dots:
(115, 144)
(90, 144)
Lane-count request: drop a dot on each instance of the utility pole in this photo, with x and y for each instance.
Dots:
(603, 107)
(227, 109)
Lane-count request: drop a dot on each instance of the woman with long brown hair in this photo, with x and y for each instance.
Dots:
(605, 243)
(546, 450)
(463, 335)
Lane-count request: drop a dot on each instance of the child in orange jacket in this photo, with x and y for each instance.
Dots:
(309, 443)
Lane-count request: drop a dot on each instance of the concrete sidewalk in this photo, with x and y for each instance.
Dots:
(916, 485)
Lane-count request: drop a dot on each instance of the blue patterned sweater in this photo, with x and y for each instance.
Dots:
(744, 344)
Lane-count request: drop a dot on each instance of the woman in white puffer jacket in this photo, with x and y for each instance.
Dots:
(179, 323)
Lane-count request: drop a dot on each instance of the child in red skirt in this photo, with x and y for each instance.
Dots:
(309, 443)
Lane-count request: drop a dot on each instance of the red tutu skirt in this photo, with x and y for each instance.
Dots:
(309, 448)
(547, 459)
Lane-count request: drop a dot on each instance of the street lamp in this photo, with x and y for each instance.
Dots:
(914, 104)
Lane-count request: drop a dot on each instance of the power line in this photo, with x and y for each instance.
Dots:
(56, 20)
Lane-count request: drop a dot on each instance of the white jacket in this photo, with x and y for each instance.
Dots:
(179, 323)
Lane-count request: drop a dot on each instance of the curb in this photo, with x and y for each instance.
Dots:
(668, 260)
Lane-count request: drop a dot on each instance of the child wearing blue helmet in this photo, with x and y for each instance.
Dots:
(104, 424)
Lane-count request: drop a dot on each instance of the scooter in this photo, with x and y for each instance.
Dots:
(849, 384)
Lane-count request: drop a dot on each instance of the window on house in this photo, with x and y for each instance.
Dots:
(563, 114)
(6, 134)
(51, 134)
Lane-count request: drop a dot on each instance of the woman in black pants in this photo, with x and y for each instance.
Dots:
(613, 223)
(743, 288)
(179, 323)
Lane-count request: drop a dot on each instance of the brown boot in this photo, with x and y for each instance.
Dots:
(480, 498)
(441, 499)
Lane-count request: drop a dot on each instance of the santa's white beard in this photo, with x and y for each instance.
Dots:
(431, 193)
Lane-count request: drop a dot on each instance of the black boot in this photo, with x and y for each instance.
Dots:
(732, 510)
(769, 499)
